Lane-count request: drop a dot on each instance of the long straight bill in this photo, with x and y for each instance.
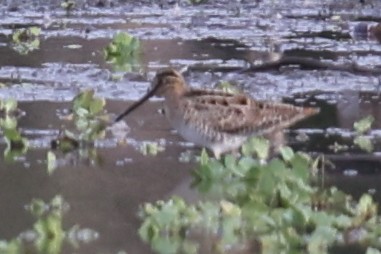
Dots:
(137, 104)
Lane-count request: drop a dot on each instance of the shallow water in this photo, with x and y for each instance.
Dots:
(104, 186)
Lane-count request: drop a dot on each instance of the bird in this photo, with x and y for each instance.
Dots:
(217, 120)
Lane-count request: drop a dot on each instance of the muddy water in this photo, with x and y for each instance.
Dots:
(105, 186)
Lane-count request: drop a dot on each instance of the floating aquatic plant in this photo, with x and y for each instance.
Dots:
(9, 107)
(89, 115)
(362, 127)
(48, 234)
(267, 205)
(364, 143)
(361, 138)
(123, 52)
(77, 142)
(25, 40)
(16, 144)
(151, 148)
(90, 121)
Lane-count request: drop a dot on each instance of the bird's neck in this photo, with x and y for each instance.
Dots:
(175, 92)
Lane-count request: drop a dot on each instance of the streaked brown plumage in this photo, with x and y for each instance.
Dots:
(214, 119)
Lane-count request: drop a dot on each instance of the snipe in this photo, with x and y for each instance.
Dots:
(214, 119)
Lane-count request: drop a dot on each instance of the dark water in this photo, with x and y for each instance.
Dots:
(104, 186)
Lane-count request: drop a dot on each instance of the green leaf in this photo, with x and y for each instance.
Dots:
(37, 207)
(83, 99)
(123, 52)
(50, 234)
(82, 112)
(267, 181)
(229, 208)
(258, 145)
(151, 148)
(343, 221)
(12, 247)
(35, 44)
(275, 201)
(364, 143)
(34, 30)
(204, 158)
(273, 242)
(69, 135)
(12, 134)
(26, 40)
(246, 163)
(190, 247)
(10, 105)
(9, 122)
(229, 161)
(300, 214)
(68, 4)
(168, 245)
(57, 203)
(301, 166)
(148, 230)
(96, 130)
(262, 147)
(82, 124)
(322, 218)
(15, 148)
(231, 222)
(252, 211)
(287, 153)
(51, 162)
(97, 105)
(364, 124)
(366, 207)
(321, 238)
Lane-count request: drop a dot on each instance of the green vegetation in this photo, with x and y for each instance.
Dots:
(90, 118)
(268, 205)
(361, 139)
(151, 148)
(16, 144)
(68, 5)
(123, 52)
(227, 87)
(272, 205)
(362, 127)
(26, 40)
(90, 121)
(47, 235)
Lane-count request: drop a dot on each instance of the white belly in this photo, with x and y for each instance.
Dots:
(191, 134)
